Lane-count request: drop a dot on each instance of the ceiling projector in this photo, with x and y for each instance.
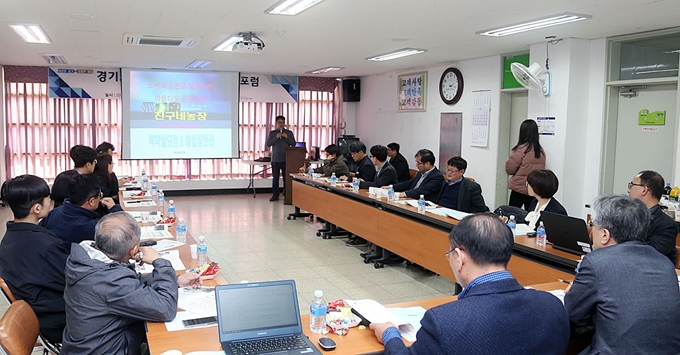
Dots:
(248, 47)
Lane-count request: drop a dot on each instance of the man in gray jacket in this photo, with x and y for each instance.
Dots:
(107, 302)
(279, 139)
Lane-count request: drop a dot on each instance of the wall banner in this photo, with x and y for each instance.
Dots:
(269, 88)
(84, 83)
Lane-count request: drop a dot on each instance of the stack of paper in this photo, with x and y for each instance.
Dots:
(200, 301)
(135, 193)
(447, 212)
(167, 244)
(375, 312)
(559, 294)
(153, 216)
(172, 256)
(522, 229)
(139, 203)
(155, 232)
(428, 204)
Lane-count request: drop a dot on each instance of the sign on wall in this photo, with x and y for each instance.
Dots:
(546, 126)
(412, 92)
(84, 83)
(656, 118)
(269, 88)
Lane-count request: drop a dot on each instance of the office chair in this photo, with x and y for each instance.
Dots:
(19, 329)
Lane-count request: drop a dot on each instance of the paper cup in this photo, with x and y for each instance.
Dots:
(194, 251)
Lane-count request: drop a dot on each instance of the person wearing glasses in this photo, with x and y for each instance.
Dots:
(624, 287)
(363, 166)
(84, 161)
(74, 221)
(459, 193)
(494, 314)
(647, 186)
(427, 182)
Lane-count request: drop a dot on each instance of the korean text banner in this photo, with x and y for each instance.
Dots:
(269, 88)
(180, 115)
(84, 83)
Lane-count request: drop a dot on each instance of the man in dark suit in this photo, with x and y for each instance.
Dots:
(647, 186)
(398, 162)
(386, 174)
(428, 181)
(624, 287)
(459, 193)
(494, 312)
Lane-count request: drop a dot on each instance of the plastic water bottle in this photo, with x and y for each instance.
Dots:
(145, 180)
(421, 204)
(154, 189)
(334, 180)
(161, 201)
(202, 251)
(355, 185)
(512, 224)
(390, 194)
(317, 313)
(540, 235)
(171, 209)
(310, 170)
(181, 231)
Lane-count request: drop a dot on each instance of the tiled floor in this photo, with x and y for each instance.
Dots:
(252, 240)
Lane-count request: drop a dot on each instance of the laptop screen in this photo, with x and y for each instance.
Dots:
(256, 308)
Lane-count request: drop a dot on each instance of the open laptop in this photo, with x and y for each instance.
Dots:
(566, 233)
(261, 318)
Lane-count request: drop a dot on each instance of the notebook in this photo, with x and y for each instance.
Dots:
(261, 318)
(566, 233)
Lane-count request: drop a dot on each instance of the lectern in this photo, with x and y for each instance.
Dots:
(295, 158)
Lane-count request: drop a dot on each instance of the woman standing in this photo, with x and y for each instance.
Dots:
(525, 157)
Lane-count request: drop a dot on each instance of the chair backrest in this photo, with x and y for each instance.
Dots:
(470, 179)
(412, 173)
(19, 329)
(9, 296)
(677, 257)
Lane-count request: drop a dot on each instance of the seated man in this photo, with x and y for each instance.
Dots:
(647, 186)
(459, 193)
(428, 181)
(385, 173)
(107, 303)
(364, 168)
(398, 162)
(334, 163)
(614, 283)
(74, 221)
(494, 314)
(85, 159)
(32, 258)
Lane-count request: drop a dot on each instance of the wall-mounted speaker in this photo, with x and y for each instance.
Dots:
(351, 90)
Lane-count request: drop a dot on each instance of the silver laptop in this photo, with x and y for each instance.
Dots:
(261, 318)
(566, 233)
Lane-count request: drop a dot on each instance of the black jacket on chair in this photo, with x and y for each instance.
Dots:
(401, 166)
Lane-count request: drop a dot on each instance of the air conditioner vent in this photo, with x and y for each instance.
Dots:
(163, 41)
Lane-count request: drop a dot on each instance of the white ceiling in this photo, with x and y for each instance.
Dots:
(334, 33)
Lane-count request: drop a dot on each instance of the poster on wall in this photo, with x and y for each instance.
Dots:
(546, 126)
(481, 117)
(268, 88)
(84, 83)
(412, 92)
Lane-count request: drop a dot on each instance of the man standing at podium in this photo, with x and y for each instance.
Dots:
(279, 139)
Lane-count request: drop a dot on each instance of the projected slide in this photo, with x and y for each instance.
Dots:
(180, 115)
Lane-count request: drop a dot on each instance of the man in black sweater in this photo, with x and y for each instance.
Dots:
(459, 193)
(647, 186)
(398, 162)
(84, 160)
(363, 166)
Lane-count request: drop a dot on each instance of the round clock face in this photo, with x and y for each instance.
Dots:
(451, 86)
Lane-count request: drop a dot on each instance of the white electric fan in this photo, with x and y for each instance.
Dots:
(531, 77)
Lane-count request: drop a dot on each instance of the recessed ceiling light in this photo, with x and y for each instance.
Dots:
(198, 64)
(535, 24)
(31, 33)
(53, 59)
(396, 54)
(324, 70)
(400, 39)
(81, 16)
(291, 7)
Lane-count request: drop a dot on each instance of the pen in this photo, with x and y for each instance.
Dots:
(131, 202)
(565, 281)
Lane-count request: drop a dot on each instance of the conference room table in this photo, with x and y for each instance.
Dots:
(419, 238)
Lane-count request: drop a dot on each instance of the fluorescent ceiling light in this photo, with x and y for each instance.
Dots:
(397, 54)
(291, 7)
(228, 43)
(31, 33)
(535, 24)
(198, 64)
(54, 59)
(324, 70)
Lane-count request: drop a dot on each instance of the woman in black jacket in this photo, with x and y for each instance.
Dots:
(542, 185)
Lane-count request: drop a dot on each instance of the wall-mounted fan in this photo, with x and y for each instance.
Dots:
(531, 77)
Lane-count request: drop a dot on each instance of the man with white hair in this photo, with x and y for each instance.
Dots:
(107, 302)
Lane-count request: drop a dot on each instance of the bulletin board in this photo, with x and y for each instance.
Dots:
(412, 92)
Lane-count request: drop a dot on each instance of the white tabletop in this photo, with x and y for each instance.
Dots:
(253, 162)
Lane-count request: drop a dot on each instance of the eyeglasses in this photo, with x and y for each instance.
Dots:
(100, 195)
(419, 163)
(452, 250)
(631, 184)
(370, 157)
(591, 224)
(94, 162)
(449, 170)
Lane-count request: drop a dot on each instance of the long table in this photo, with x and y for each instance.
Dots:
(420, 238)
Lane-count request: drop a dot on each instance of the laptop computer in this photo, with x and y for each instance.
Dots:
(566, 233)
(261, 318)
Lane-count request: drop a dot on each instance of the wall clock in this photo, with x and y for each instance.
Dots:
(451, 86)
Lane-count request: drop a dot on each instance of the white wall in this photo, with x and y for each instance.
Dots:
(379, 122)
(3, 171)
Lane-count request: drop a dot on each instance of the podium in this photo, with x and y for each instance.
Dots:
(295, 158)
